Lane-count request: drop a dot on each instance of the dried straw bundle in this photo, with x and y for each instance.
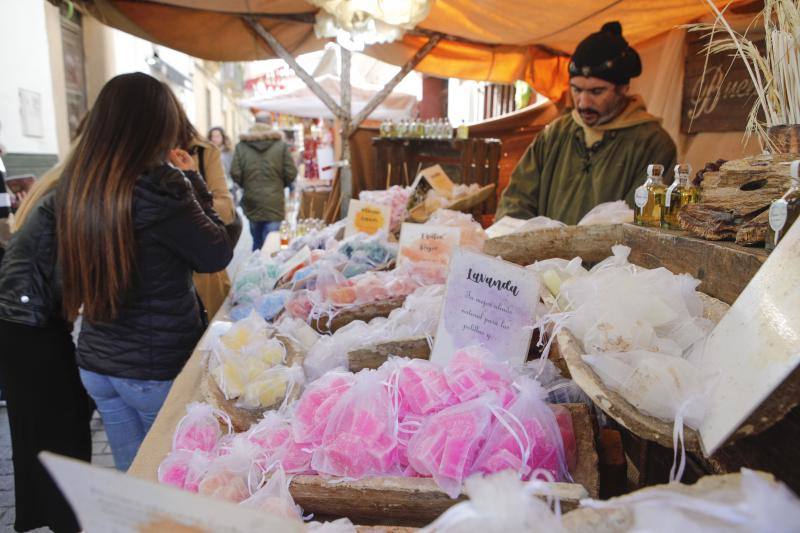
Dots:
(776, 74)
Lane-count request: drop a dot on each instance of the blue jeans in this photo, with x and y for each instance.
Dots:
(259, 230)
(128, 408)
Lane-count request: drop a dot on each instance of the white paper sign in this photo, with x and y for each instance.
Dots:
(756, 345)
(107, 501)
(426, 242)
(489, 302)
(364, 217)
(504, 226)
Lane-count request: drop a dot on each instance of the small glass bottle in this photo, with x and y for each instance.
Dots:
(419, 128)
(649, 198)
(679, 194)
(463, 131)
(784, 212)
(284, 233)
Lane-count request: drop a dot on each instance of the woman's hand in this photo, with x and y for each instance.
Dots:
(182, 159)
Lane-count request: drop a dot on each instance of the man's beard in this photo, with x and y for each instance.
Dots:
(603, 118)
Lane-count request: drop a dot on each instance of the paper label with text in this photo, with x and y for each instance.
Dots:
(364, 217)
(424, 242)
(488, 302)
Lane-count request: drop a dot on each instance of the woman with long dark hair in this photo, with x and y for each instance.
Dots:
(131, 230)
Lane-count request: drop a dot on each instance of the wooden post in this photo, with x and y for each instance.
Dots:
(284, 54)
(345, 172)
(383, 93)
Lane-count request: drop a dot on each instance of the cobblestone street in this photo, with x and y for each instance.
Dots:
(101, 456)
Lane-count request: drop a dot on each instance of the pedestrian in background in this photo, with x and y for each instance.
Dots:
(263, 167)
(131, 230)
(220, 139)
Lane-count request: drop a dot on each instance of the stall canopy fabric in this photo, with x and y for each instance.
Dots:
(491, 40)
(297, 98)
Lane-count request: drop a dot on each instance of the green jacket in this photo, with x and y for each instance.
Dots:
(561, 178)
(263, 166)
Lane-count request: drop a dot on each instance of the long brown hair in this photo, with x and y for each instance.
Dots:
(130, 129)
(226, 141)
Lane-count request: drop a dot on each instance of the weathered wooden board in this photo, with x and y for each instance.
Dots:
(591, 243)
(614, 404)
(418, 501)
(724, 269)
(365, 312)
(375, 356)
(420, 214)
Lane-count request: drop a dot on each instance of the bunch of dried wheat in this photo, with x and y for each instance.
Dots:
(776, 73)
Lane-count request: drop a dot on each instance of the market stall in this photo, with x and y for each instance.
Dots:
(401, 367)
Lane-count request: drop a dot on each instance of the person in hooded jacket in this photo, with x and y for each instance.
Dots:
(263, 167)
(128, 230)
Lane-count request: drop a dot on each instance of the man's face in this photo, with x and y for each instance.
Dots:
(597, 101)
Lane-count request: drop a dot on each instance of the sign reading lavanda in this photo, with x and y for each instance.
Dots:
(488, 302)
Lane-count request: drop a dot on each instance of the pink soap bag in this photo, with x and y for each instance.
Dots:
(423, 388)
(360, 438)
(312, 410)
(184, 469)
(448, 442)
(273, 434)
(525, 437)
(473, 371)
(199, 429)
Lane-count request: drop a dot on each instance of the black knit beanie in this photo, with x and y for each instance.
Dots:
(606, 55)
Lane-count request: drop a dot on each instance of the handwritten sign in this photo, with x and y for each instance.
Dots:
(717, 96)
(436, 178)
(364, 217)
(489, 302)
(107, 500)
(423, 242)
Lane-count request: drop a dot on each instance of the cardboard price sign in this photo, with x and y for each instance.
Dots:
(363, 217)
(488, 302)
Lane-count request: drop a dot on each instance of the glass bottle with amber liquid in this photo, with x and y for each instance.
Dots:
(677, 195)
(783, 212)
(649, 198)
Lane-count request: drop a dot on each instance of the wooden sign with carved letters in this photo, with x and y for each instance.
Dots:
(722, 99)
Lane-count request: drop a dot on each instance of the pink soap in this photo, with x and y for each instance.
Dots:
(299, 305)
(198, 430)
(525, 437)
(274, 437)
(312, 410)
(423, 388)
(360, 438)
(184, 469)
(448, 442)
(472, 372)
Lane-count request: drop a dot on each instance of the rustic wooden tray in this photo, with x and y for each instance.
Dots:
(420, 214)
(375, 356)
(613, 404)
(242, 418)
(418, 501)
(365, 312)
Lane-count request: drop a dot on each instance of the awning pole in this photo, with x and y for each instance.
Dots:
(284, 54)
(345, 173)
(381, 95)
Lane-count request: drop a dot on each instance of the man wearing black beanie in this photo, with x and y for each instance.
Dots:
(599, 151)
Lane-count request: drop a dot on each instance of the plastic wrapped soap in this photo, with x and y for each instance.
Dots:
(473, 371)
(423, 388)
(447, 444)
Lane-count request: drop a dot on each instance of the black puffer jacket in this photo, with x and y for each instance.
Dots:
(160, 320)
(29, 289)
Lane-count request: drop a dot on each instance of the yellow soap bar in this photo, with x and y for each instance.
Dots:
(265, 392)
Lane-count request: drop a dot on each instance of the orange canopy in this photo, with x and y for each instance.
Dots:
(491, 40)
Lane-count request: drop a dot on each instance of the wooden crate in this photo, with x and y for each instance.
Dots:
(418, 501)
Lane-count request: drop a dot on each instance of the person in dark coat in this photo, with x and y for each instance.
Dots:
(48, 408)
(263, 166)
